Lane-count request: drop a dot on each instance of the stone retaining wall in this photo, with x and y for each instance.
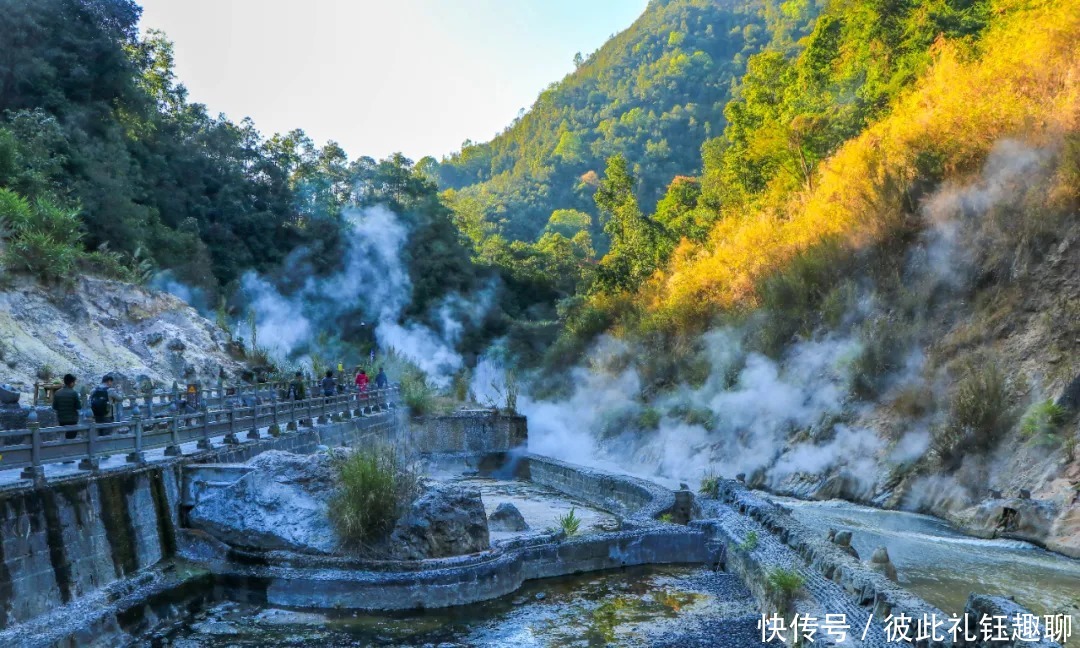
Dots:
(867, 587)
(631, 498)
(453, 581)
(74, 536)
(470, 431)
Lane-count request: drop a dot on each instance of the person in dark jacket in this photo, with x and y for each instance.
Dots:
(296, 387)
(329, 385)
(381, 381)
(102, 401)
(66, 403)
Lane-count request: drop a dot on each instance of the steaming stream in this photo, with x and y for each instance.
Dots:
(943, 565)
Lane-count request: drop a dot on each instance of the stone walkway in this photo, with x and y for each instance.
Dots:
(12, 478)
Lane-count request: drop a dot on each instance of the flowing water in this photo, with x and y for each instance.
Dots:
(942, 565)
(641, 606)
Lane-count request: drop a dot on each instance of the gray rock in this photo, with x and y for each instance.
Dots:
(176, 344)
(154, 339)
(1024, 519)
(444, 521)
(842, 539)
(881, 563)
(507, 517)
(280, 504)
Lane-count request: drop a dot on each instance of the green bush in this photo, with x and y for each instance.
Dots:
(884, 343)
(45, 239)
(710, 486)
(417, 394)
(791, 297)
(980, 412)
(373, 488)
(1043, 418)
(750, 542)
(41, 256)
(570, 523)
(648, 419)
(783, 585)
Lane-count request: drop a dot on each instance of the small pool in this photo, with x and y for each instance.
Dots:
(640, 606)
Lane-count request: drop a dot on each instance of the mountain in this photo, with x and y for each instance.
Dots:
(652, 93)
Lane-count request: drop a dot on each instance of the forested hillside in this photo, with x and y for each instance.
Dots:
(871, 291)
(653, 94)
(106, 168)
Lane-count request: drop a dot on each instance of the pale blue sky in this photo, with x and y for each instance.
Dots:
(378, 76)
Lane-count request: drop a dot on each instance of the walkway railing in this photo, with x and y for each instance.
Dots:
(239, 413)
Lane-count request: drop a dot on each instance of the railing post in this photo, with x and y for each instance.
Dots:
(221, 392)
(230, 438)
(148, 400)
(253, 433)
(275, 428)
(310, 421)
(343, 405)
(91, 461)
(204, 442)
(173, 449)
(291, 425)
(137, 455)
(35, 471)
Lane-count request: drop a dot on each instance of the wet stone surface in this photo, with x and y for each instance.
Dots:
(539, 506)
(644, 606)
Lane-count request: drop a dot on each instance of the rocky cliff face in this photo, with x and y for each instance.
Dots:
(98, 326)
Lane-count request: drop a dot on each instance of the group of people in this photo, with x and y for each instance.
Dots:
(329, 384)
(67, 403)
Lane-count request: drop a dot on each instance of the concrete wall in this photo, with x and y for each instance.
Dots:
(632, 498)
(68, 539)
(500, 575)
(472, 431)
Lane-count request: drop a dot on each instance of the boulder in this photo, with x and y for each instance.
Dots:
(280, 504)
(1019, 518)
(881, 563)
(842, 539)
(507, 517)
(445, 520)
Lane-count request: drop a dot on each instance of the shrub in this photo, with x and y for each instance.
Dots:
(979, 414)
(710, 486)
(1042, 418)
(570, 523)
(373, 488)
(45, 239)
(884, 342)
(648, 419)
(792, 295)
(417, 394)
(750, 543)
(460, 386)
(783, 586)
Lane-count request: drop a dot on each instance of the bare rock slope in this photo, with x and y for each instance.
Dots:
(98, 326)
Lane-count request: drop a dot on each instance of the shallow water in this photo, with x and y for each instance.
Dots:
(942, 565)
(641, 606)
(540, 506)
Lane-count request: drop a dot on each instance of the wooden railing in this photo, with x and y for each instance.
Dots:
(239, 413)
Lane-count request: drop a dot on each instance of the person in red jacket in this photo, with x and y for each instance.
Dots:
(362, 381)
